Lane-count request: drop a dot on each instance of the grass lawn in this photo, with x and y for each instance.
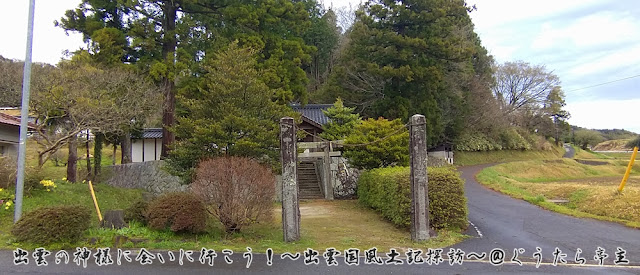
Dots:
(58, 170)
(591, 190)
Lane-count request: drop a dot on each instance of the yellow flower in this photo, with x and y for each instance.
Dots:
(1, 189)
(7, 207)
(48, 190)
(8, 203)
(64, 179)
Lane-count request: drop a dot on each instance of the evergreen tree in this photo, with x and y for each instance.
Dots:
(342, 121)
(230, 116)
(412, 57)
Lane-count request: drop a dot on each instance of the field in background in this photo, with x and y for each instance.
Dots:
(482, 157)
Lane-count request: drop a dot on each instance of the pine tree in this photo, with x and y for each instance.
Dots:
(342, 121)
(232, 114)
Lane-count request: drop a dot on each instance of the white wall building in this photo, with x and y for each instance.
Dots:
(147, 148)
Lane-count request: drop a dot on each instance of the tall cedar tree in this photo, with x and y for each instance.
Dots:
(169, 38)
(230, 116)
(413, 56)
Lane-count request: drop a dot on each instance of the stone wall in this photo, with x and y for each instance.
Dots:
(149, 176)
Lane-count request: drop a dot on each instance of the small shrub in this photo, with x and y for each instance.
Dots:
(179, 212)
(7, 172)
(32, 179)
(236, 190)
(52, 224)
(388, 190)
(137, 212)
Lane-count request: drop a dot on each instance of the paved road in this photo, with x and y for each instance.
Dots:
(508, 223)
(569, 151)
(503, 223)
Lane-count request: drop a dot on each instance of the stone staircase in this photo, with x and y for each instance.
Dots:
(308, 181)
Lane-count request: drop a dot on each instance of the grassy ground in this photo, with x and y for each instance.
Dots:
(59, 170)
(591, 190)
(324, 224)
(473, 158)
(69, 194)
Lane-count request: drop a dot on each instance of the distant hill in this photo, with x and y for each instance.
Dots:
(611, 134)
(616, 134)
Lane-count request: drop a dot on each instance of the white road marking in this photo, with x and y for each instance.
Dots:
(476, 228)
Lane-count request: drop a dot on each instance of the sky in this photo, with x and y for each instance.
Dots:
(584, 42)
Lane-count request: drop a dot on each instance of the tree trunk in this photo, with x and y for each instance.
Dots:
(88, 158)
(115, 150)
(97, 155)
(169, 45)
(125, 147)
(72, 160)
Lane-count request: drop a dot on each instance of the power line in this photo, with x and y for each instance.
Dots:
(604, 83)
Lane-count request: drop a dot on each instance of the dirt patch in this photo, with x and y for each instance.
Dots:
(591, 162)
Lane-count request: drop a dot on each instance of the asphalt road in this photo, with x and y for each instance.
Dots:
(569, 151)
(499, 222)
(508, 224)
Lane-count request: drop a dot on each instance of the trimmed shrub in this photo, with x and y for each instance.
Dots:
(179, 212)
(137, 212)
(52, 224)
(236, 190)
(391, 151)
(388, 190)
(7, 172)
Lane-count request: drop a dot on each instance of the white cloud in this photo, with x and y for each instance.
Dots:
(593, 30)
(48, 41)
(606, 114)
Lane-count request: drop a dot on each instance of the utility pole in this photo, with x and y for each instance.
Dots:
(24, 116)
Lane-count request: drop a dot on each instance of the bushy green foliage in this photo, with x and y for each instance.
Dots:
(634, 142)
(179, 212)
(477, 142)
(393, 150)
(231, 115)
(512, 140)
(52, 224)
(584, 138)
(388, 190)
(342, 121)
(137, 212)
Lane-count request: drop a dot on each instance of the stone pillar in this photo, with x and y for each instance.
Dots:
(419, 187)
(290, 207)
(326, 167)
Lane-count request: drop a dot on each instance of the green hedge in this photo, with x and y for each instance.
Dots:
(388, 190)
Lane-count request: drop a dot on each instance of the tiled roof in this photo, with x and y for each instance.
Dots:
(313, 112)
(152, 133)
(11, 120)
